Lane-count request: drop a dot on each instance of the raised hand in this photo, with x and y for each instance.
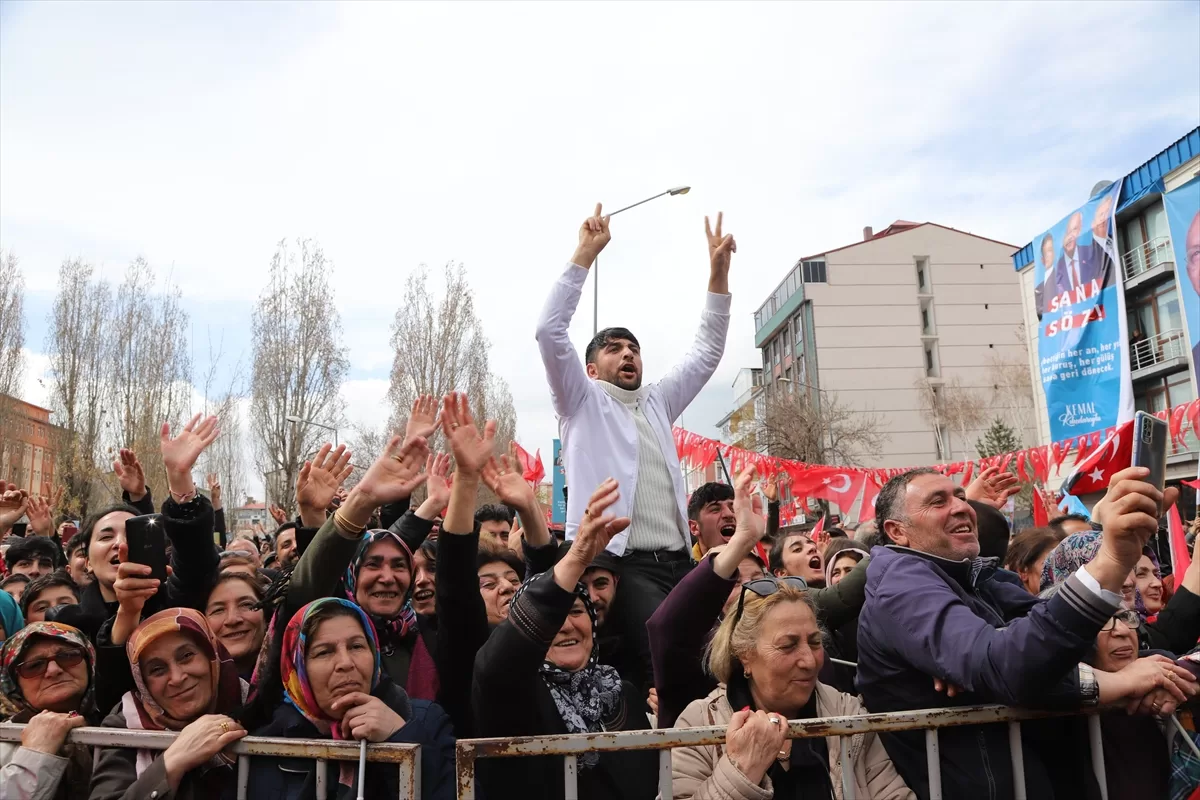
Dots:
(593, 236)
(507, 483)
(993, 487)
(721, 248)
(130, 474)
(180, 453)
(437, 487)
(39, 510)
(770, 489)
(214, 489)
(747, 507)
(471, 450)
(422, 419)
(278, 514)
(13, 502)
(319, 479)
(596, 530)
(394, 475)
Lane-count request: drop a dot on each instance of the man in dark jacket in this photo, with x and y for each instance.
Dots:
(935, 612)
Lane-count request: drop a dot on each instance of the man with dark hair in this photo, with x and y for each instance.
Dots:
(46, 592)
(495, 521)
(710, 516)
(938, 617)
(613, 426)
(15, 585)
(285, 545)
(33, 556)
(1070, 523)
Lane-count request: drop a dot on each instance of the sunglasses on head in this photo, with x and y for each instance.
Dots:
(765, 587)
(36, 668)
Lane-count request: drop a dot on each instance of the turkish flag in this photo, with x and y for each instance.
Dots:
(1041, 516)
(1181, 559)
(532, 468)
(866, 511)
(1194, 484)
(1093, 473)
(841, 487)
(806, 481)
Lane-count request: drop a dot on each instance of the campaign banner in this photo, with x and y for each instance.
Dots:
(558, 498)
(1183, 219)
(1082, 335)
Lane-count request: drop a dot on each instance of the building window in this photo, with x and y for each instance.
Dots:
(925, 328)
(922, 270)
(931, 366)
(813, 271)
(1155, 313)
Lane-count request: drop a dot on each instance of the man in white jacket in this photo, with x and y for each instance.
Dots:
(613, 426)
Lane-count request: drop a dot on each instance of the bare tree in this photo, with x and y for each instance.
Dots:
(299, 365)
(816, 428)
(226, 457)
(76, 345)
(149, 372)
(366, 444)
(1012, 385)
(439, 347)
(952, 408)
(12, 340)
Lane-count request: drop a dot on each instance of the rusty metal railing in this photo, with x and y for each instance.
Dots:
(930, 720)
(406, 757)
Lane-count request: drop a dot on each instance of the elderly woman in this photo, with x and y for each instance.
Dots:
(187, 682)
(47, 674)
(766, 657)
(335, 688)
(234, 612)
(538, 674)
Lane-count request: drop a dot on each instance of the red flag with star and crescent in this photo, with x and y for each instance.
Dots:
(1093, 473)
(841, 488)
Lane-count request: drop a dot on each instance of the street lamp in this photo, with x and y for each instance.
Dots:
(596, 263)
(297, 420)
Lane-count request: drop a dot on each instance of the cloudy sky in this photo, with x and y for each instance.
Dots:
(199, 135)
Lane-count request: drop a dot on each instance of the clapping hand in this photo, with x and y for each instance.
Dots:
(471, 450)
(993, 487)
(130, 474)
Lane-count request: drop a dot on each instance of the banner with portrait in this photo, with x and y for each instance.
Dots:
(1080, 299)
(1183, 220)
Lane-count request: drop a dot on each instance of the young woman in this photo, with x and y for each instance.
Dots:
(47, 672)
(187, 682)
(334, 687)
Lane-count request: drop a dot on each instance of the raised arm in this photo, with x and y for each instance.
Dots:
(564, 369)
(687, 378)
(188, 515)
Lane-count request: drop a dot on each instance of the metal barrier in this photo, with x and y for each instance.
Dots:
(406, 757)
(931, 720)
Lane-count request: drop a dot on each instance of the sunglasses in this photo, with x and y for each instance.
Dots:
(765, 587)
(37, 667)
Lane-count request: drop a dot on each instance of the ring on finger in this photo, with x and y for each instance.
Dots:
(224, 727)
(774, 720)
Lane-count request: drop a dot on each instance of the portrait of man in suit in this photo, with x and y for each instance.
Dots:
(1077, 266)
(1044, 290)
(1102, 246)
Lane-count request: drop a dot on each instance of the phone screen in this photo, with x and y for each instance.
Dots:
(147, 543)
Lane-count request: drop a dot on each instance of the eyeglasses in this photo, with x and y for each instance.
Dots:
(1130, 618)
(37, 667)
(765, 587)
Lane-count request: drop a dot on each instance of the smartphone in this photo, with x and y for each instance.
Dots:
(1150, 449)
(69, 529)
(147, 542)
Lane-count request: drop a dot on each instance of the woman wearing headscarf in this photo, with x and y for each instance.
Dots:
(1176, 628)
(334, 687)
(11, 619)
(184, 681)
(235, 613)
(539, 674)
(47, 674)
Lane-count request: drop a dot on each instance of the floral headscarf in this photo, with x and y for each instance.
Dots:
(142, 712)
(585, 698)
(390, 630)
(297, 691)
(1077, 550)
(10, 654)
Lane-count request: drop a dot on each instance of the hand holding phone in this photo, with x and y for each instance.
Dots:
(1150, 449)
(147, 544)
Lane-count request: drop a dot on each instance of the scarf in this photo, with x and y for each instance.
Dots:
(142, 712)
(392, 631)
(589, 699)
(15, 645)
(1077, 550)
(861, 553)
(10, 615)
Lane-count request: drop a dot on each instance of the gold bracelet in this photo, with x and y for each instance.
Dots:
(346, 526)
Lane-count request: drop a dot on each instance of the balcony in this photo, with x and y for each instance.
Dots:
(1158, 354)
(1145, 257)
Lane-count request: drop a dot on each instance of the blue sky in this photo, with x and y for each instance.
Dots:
(199, 135)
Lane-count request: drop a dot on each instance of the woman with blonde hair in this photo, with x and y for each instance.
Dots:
(766, 656)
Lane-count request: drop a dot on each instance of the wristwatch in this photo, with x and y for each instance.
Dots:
(1089, 690)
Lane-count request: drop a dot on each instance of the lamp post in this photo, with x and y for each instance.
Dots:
(298, 421)
(596, 263)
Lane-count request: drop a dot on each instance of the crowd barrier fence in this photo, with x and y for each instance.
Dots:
(406, 757)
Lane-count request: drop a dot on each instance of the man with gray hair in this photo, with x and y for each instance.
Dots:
(937, 618)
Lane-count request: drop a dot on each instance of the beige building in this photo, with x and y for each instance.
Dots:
(911, 317)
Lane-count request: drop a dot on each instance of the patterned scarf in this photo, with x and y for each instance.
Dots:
(392, 631)
(1077, 550)
(143, 712)
(297, 691)
(588, 699)
(13, 648)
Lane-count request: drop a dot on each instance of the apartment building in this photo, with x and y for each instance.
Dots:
(27, 445)
(912, 317)
(1158, 350)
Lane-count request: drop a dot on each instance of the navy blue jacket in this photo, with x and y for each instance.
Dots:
(295, 778)
(927, 617)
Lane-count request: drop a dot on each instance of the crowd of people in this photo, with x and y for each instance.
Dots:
(370, 617)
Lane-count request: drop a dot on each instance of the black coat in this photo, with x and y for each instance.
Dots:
(426, 724)
(510, 698)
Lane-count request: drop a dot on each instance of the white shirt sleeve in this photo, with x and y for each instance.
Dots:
(1093, 586)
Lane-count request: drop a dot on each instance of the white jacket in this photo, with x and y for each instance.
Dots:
(599, 436)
